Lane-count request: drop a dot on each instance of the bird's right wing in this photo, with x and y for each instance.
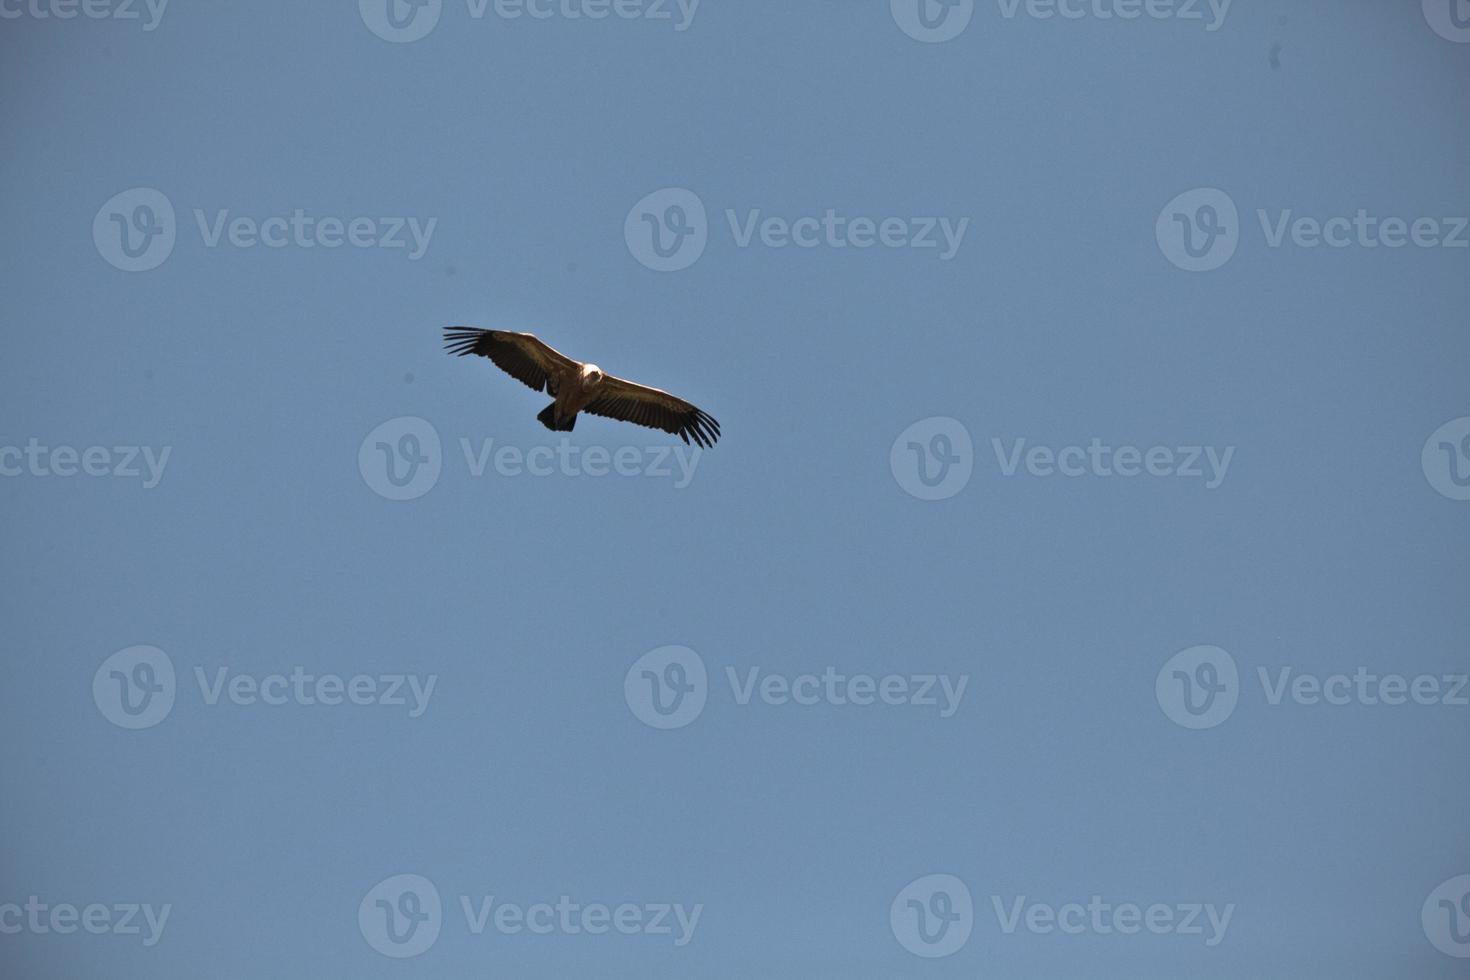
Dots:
(523, 356)
(653, 408)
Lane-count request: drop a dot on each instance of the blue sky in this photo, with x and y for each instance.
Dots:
(1077, 588)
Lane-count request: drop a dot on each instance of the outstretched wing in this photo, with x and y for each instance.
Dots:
(641, 405)
(520, 355)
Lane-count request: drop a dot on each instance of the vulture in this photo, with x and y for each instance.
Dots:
(576, 387)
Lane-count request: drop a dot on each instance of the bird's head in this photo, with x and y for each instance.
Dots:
(592, 374)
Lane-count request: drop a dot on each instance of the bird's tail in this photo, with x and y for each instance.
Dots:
(548, 419)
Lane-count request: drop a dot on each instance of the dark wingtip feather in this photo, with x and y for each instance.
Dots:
(462, 340)
(705, 429)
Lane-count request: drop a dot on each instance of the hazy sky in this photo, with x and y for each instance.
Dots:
(1081, 511)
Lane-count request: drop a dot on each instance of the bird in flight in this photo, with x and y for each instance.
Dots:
(577, 387)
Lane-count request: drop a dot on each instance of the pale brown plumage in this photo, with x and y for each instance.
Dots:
(577, 387)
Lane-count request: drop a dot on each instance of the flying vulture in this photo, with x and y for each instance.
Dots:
(576, 387)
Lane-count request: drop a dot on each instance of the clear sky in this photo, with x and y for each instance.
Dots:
(942, 291)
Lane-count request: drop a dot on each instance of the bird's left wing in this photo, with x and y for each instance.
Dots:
(641, 405)
(523, 356)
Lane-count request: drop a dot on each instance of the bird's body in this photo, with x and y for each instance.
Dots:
(577, 387)
(573, 392)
